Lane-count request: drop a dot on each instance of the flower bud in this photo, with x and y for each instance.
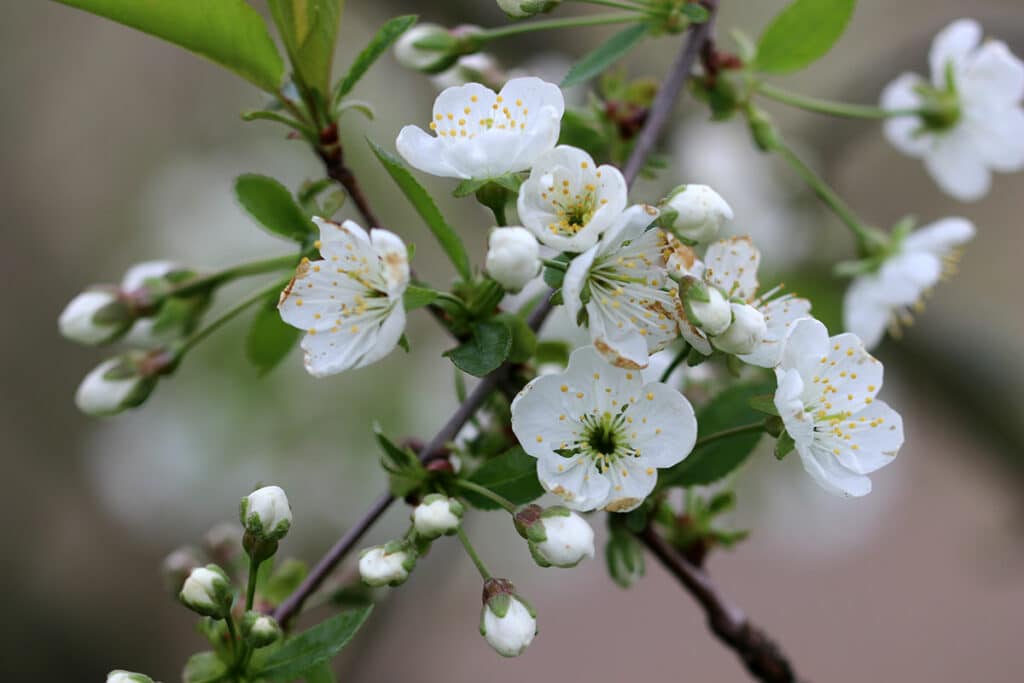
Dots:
(260, 630)
(507, 622)
(99, 315)
(207, 591)
(527, 8)
(695, 213)
(745, 333)
(430, 48)
(117, 384)
(120, 676)
(476, 68)
(177, 566)
(707, 308)
(437, 515)
(266, 514)
(386, 565)
(513, 257)
(558, 537)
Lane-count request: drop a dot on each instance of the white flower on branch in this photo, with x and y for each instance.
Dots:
(600, 434)
(350, 301)
(621, 291)
(826, 398)
(513, 257)
(481, 134)
(697, 212)
(972, 120)
(568, 201)
(558, 537)
(885, 297)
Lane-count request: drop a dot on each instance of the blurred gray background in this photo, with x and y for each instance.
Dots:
(119, 148)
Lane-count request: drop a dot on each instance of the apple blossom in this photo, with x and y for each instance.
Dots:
(513, 257)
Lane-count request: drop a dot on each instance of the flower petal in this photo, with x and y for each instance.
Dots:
(575, 480)
(830, 474)
(630, 481)
(953, 44)
(994, 74)
(871, 438)
(779, 315)
(731, 265)
(904, 132)
(957, 166)
(664, 427)
(864, 312)
(940, 237)
(425, 153)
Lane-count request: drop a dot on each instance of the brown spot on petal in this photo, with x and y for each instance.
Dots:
(561, 492)
(614, 357)
(622, 504)
(300, 272)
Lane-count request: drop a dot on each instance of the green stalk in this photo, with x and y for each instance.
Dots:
(633, 6)
(221, 277)
(819, 106)
(471, 551)
(202, 334)
(726, 433)
(676, 362)
(486, 493)
(551, 24)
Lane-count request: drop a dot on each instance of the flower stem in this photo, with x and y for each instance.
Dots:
(250, 590)
(676, 362)
(226, 275)
(568, 22)
(555, 265)
(733, 431)
(471, 551)
(228, 315)
(633, 6)
(486, 493)
(852, 111)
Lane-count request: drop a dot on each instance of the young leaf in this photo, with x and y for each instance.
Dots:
(513, 474)
(321, 673)
(309, 29)
(228, 32)
(427, 210)
(802, 33)
(765, 403)
(524, 341)
(488, 346)
(283, 581)
(204, 667)
(270, 339)
(418, 297)
(270, 203)
(312, 647)
(707, 464)
(604, 56)
(378, 45)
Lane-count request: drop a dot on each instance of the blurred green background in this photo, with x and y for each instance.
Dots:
(118, 148)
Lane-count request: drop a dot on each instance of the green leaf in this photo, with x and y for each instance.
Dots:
(203, 667)
(553, 352)
(378, 45)
(309, 29)
(312, 647)
(273, 207)
(283, 581)
(784, 446)
(405, 471)
(578, 130)
(764, 403)
(270, 339)
(427, 210)
(488, 346)
(321, 673)
(802, 33)
(707, 464)
(228, 32)
(524, 341)
(513, 475)
(418, 297)
(604, 56)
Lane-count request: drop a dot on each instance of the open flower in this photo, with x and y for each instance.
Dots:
(885, 297)
(568, 201)
(731, 266)
(621, 291)
(350, 301)
(826, 399)
(481, 134)
(600, 434)
(971, 121)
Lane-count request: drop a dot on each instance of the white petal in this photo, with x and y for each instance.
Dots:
(425, 153)
(957, 167)
(576, 481)
(731, 265)
(535, 94)
(940, 237)
(576, 276)
(875, 437)
(789, 402)
(829, 473)
(864, 313)
(631, 480)
(388, 335)
(664, 425)
(902, 132)
(805, 346)
(998, 136)
(846, 380)
(780, 315)
(953, 44)
(394, 258)
(994, 74)
(905, 277)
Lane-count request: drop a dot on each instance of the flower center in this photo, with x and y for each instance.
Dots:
(940, 107)
(604, 439)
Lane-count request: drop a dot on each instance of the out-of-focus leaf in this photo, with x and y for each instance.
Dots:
(512, 475)
(802, 33)
(614, 49)
(309, 29)
(312, 647)
(273, 207)
(270, 339)
(386, 35)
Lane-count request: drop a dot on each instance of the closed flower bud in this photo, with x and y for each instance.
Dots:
(430, 48)
(707, 308)
(115, 385)
(557, 536)
(266, 514)
(207, 591)
(436, 516)
(120, 676)
(386, 565)
(177, 566)
(507, 622)
(513, 257)
(746, 331)
(527, 8)
(96, 316)
(695, 213)
(260, 630)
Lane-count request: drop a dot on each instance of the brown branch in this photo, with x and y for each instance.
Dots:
(333, 156)
(762, 657)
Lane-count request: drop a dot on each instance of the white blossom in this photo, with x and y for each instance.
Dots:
(697, 212)
(620, 290)
(421, 59)
(973, 120)
(266, 513)
(96, 316)
(513, 257)
(350, 301)
(508, 624)
(826, 398)
(567, 538)
(600, 434)
(481, 134)
(745, 333)
(121, 676)
(112, 387)
(386, 565)
(527, 8)
(207, 591)
(436, 516)
(884, 297)
(568, 200)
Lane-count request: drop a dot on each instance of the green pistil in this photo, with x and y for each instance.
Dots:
(603, 440)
